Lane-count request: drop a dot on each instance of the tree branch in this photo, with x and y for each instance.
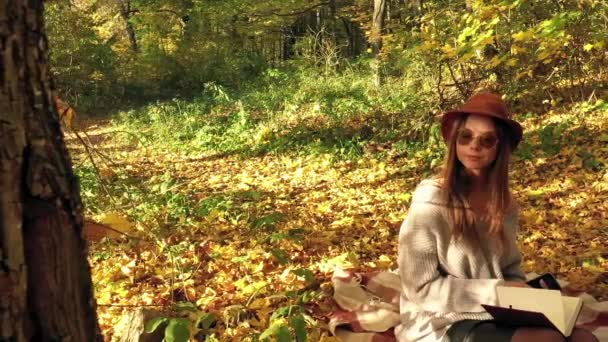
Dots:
(290, 14)
(182, 18)
(169, 11)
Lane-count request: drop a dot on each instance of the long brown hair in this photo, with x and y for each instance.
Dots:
(456, 186)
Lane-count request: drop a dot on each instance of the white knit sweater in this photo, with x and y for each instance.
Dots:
(444, 281)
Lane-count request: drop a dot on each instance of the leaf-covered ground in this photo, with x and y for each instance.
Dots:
(254, 240)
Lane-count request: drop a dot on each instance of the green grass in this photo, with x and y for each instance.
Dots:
(286, 111)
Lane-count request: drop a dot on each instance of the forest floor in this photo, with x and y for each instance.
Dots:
(234, 244)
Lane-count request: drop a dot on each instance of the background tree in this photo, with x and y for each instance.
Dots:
(525, 49)
(376, 37)
(45, 279)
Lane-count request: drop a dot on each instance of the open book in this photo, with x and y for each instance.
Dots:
(521, 306)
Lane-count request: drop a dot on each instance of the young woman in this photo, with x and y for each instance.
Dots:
(458, 242)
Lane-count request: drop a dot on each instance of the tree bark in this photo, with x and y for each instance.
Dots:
(126, 12)
(418, 4)
(378, 25)
(376, 37)
(46, 292)
(468, 4)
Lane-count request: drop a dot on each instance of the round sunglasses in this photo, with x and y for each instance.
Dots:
(487, 140)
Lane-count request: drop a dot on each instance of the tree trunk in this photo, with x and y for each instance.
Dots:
(126, 13)
(332, 12)
(418, 4)
(378, 25)
(46, 292)
(376, 37)
(468, 4)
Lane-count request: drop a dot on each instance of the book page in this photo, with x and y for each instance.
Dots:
(572, 307)
(549, 302)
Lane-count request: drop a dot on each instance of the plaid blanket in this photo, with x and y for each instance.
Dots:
(369, 307)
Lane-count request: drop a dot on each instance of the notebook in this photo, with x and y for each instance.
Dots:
(521, 306)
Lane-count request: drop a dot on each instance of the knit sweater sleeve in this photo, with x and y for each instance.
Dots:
(421, 280)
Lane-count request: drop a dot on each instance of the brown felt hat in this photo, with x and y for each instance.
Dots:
(487, 104)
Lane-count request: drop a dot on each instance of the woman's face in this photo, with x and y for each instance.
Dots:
(476, 144)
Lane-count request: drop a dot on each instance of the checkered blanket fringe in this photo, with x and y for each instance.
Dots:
(369, 307)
